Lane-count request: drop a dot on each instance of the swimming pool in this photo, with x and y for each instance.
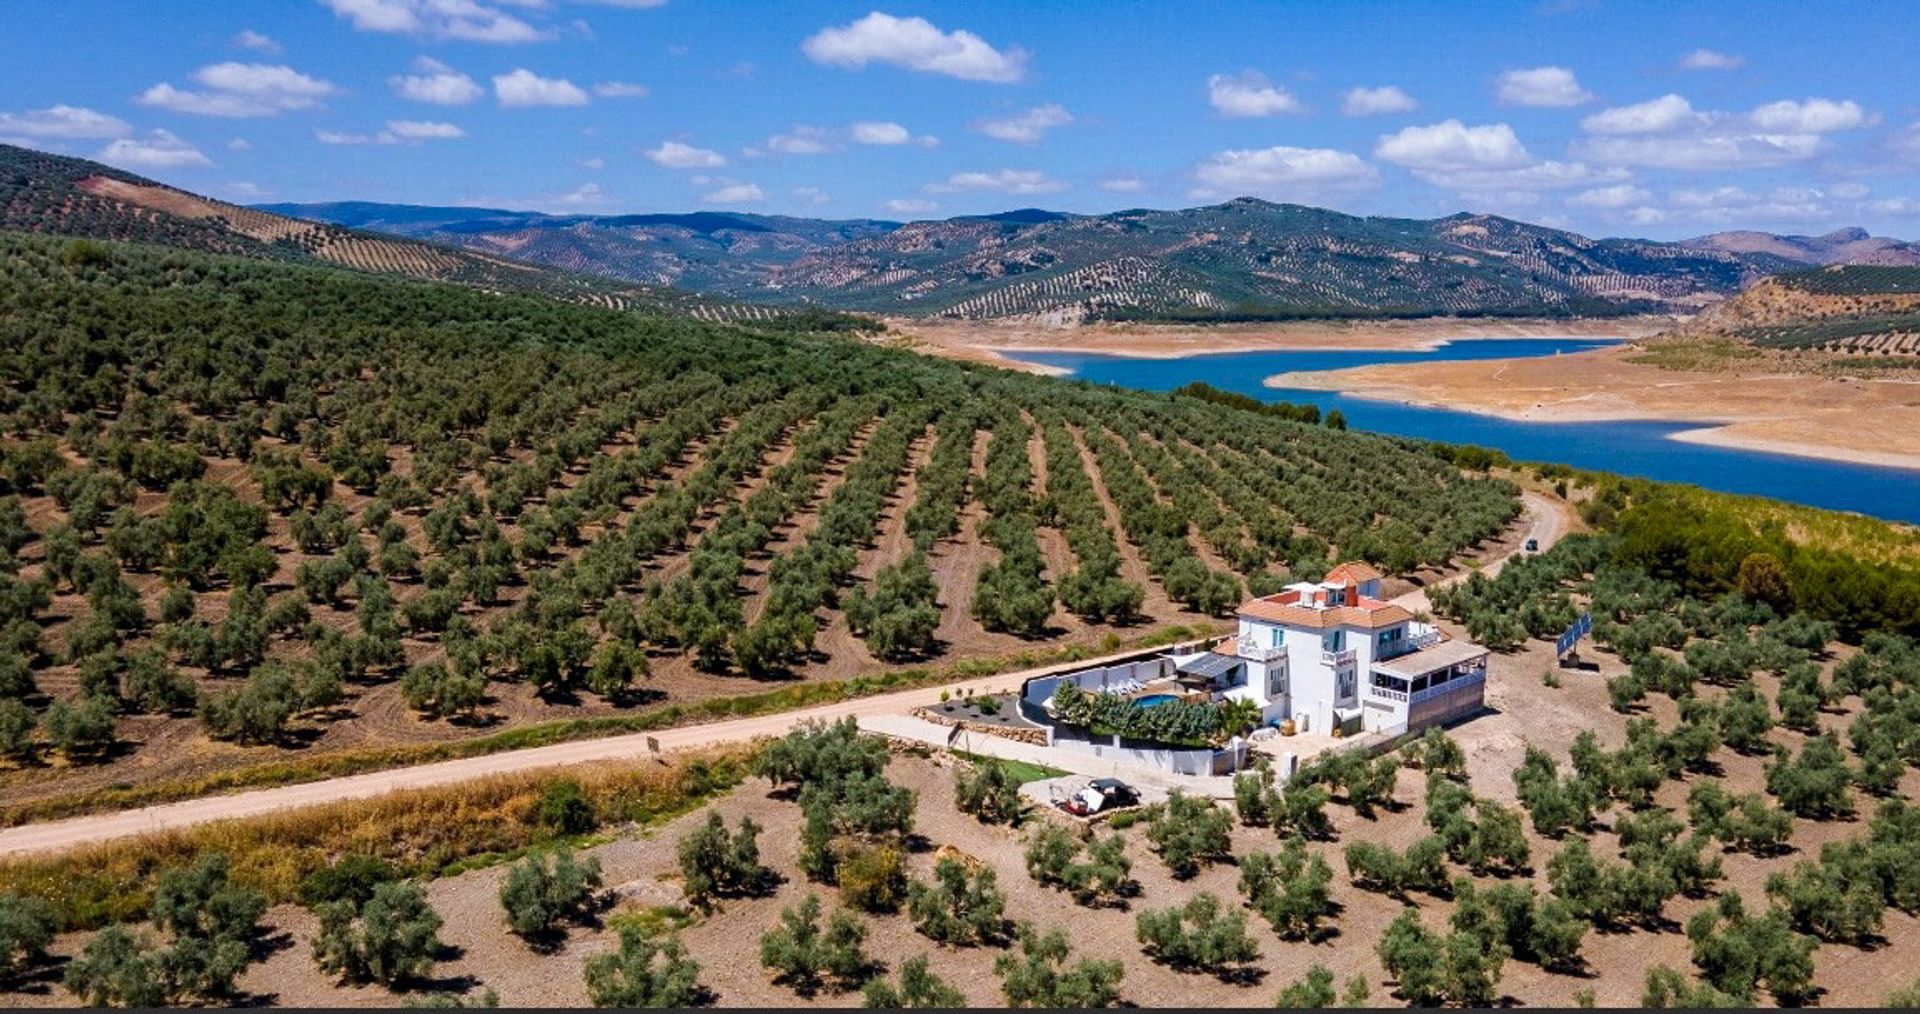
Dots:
(1154, 700)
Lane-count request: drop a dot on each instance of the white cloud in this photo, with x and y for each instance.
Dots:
(1896, 206)
(435, 82)
(675, 155)
(910, 206)
(465, 20)
(423, 130)
(879, 132)
(250, 39)
(245, 191)
(803, 140)
(1375, 101)
(1620, 195)
(587, 195)
(1707, 59)
(1703, 152)
(76, 123)
(1549, 87)
(1452, 146)
(621, 90)
(1027, 127)
(1006, 181)
(524, 88)
(1249, 94)
(1281, 171)
(240, 90)
(1850, 191)
(914, 43)
(1663, 115)
(1814, 116)
(239, 144)
(396, 132)
(160, 149)
(735, 193)
(1730, 205)
(595, 163)
(1543, 175)
(1123, 184)
(636, 5)
(812, 195)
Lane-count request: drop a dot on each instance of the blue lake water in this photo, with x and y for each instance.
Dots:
(1626, 448)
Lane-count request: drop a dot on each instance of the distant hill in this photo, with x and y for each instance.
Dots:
(1842, 246)
(1852, 309)
(723, 253)
(46, 193)
(1244, 259)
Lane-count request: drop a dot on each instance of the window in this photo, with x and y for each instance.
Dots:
(1345, 686)
(1276, 681)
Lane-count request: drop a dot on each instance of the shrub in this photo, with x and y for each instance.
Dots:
(1105, 874)
(715, 864)
(1289, 889)
(1430, 969)
(1814, 784)
(352, 878)
(1039, 975)
(1197, 936)
(1737, 952)
(646, 972)
(118, 969)
(872, 878)
(1667, 989)
(1377, 867)
(81, 732)
(989, 791)
(545, 889)
(919, 988)
(394, 936)
(1189, 831)
(564, 809)
(439, 692)
(807, 957)
(26, 929)
(959, 907)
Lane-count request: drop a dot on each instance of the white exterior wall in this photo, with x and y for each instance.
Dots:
(1311, 684)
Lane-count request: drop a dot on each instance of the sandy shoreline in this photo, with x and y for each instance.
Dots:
(999, 343)
(1861, 421)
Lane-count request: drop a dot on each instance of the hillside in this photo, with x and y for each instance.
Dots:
(249, 505)
(1853, 310)
(55, 194)
(1245, 259)
(1842, 246)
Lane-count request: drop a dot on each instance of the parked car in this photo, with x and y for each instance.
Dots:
(1533, 545)
(1100, 795)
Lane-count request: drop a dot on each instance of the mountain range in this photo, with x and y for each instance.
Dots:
(1243, 259)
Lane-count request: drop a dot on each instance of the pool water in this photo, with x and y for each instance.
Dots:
(1154, 700)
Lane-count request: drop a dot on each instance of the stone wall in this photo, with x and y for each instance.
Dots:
(1019, 734)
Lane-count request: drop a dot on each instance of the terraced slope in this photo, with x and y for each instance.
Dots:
(74, 197)
(1854, 310)
(249, 505)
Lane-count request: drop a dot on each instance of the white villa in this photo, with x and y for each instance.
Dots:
(1333, 653)
(1327, 655)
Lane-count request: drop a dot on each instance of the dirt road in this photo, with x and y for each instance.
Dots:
(1549, 523)
(93, 828)
(1549, 520)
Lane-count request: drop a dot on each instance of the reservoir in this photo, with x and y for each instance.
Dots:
(1625, 448)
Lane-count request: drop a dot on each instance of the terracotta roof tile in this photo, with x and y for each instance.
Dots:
(1352, 572)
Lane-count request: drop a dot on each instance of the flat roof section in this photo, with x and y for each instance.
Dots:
(1211, 665)
(1430, 659)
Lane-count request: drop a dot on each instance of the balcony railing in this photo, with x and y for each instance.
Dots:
(1255, 653)
(1382, 693)
(1338, 659)
(1457, 683)
(1409, 645)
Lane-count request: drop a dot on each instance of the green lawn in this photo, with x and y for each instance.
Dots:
(1026, 771)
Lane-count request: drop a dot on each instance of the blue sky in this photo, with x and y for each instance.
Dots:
(1609, 118)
